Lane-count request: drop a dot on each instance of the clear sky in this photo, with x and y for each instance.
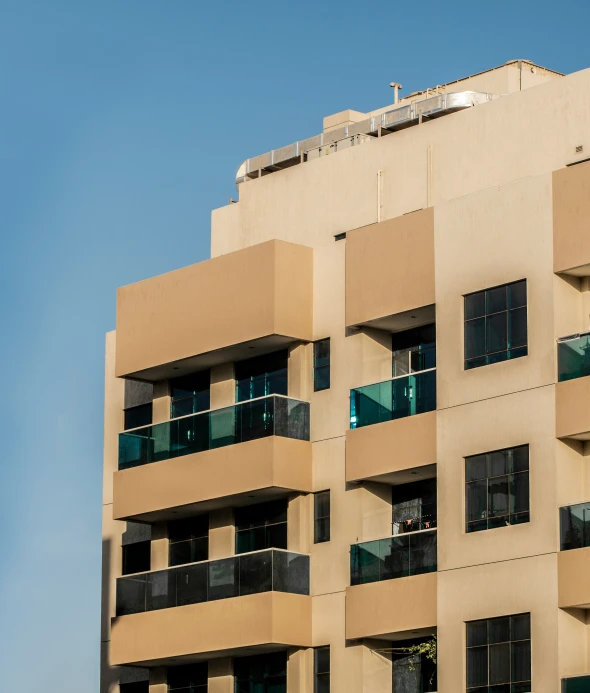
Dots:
(122, 124)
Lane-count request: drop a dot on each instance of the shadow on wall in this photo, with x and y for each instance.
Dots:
(110, 677)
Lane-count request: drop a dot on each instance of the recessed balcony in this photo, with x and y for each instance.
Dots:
(257, 601)
(195, 463)
(394, 399)
(576, 684)
(245, 303)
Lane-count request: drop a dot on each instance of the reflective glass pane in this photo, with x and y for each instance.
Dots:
(499, 630)
(255, 572)
(131, 595)
(520, 458)
(519, 492)
(477, 633)
(276, 536)
(500, 663)
(365, 562)
(498, 463)
(517, 294)
(321, 530)
(394, 557)
(573, 358)
(160, 590)
(496, 333)
(496, 300)
(290, 572)
(223, 579)
(477, 500)
(520, 627)
(321, 506)
(517, 328)
(475, 338)
(475, 305)
(191, 584)
(179, 553)
(498, 496)
(475, 467)
(521, 660)
(477, 666)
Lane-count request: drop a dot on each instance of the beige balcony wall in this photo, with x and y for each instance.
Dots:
(571, 220)
(171, 324)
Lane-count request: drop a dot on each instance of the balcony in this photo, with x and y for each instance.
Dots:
(390, 273)
(170, 325)
(414, 614)
(400, 397)
(257, 601)
(573, 560)
(255, 448)
(576, 684)
(271, 570)
(393, 557)
(571, 211)
(274, 415)
(573, 357)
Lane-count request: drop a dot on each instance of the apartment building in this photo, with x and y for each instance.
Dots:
(349, 452)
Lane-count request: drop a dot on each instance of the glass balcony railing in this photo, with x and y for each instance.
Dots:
(267, 416)
(393, 399)
(393, 557)
(577, 684)
(574, 522)
(237, 576)
(573, 357)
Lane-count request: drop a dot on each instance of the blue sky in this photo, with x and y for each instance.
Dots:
(122, 125)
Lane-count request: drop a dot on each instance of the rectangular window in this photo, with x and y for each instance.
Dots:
(188, 540)
(136, 557)
(136, 687)
(321, 365)
(190, 394)
(413, 350)
(262, 376)
(261, 526)
(191, 678)
(266, 673)
(413, 506)
(495, 325)
(499, 655)
(497, 489)
(321, 670)
(138, 416)
(321, 517)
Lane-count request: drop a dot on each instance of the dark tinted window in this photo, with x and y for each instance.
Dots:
(190, 394)
(321, 670)
(321, 517)
(261, 376)
(261, 526)
(191, 678)
(499, 655)
(495, 325)
(321, 365)
(497, 489)
(138, 416)
(137, 687)
(188, 540)
(136, 557)
(412, 672)
(261, 674)
(414, 506)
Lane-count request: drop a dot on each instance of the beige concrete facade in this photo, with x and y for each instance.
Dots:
(491, 195)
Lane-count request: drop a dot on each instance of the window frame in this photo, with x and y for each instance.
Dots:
(321, 675)
(323, 367)
(479, 687)
(509, 353)
(509, 475)
(318, 519)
